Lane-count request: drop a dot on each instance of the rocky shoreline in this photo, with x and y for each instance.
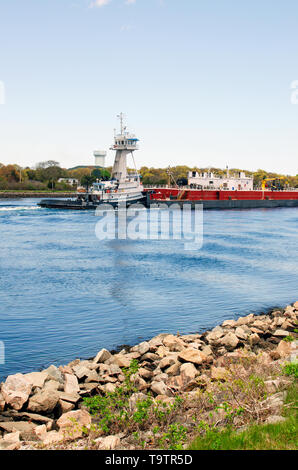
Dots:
(48, 409)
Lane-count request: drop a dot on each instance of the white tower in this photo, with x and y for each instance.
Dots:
(124, 143)
(100, 158)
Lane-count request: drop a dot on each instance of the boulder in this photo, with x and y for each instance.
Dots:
(141, 348)
(43, 401)
(282, 333)
(245, 320)
(71, 384)
(74, 423)
(160, 388)
(188, 372)
(102, 356)
(230, 341)
(41, 432)
(241, 333)
(54, 373)
(174, 369)
(145, 373)
(37, 379)
(16, 390)
(173, 343)
(81, 371)
(2, 403)
(229, 323)
(52, 385)
(121, 360)
(26, 429)
(66, 406)
(284, 348)
(10, 441)
(52, 437)
(254, 339)
(168, 361)
(108, 443)
(217, 333)
(192, 355)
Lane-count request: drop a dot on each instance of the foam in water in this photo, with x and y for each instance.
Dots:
(18, 208)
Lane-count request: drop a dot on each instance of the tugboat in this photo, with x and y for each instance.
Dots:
(122, 188)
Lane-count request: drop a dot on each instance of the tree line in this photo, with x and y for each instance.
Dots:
(46, 174)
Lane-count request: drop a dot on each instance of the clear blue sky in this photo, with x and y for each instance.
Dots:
(202, 82)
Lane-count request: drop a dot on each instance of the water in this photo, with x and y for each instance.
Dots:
(65, 294)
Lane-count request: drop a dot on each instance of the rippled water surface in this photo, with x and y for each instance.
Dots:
(65, 294)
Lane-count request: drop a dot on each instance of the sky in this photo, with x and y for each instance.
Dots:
(201, 82)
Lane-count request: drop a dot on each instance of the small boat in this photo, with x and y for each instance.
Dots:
(122, 189)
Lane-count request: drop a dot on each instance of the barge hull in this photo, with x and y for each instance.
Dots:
(227, 204)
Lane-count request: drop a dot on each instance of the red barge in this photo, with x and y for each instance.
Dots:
(222, 199)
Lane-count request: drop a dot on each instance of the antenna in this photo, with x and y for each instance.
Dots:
(121, 117)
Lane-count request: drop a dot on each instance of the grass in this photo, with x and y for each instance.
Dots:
(279, 436)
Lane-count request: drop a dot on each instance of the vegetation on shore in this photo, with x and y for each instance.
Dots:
(46, 175)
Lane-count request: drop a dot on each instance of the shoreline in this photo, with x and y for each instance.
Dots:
(34, 194)
(166, 366)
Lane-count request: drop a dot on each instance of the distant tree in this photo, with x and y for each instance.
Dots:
(87, 181)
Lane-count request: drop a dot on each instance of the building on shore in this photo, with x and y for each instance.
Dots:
(208, 180)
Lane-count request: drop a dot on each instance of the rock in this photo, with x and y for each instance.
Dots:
(280, 333)
(295, 305)
(66, 406)
(102, 356)
(219, 373)
(275, 419)
(284, 349)
(245, 320)
(241, 333)
(81, 371)
(174, 369)
(161, 377)
(207, 350)
(16, 390)
(121, 360)
(70, 397)
(141, 348)
(41, 432)
(43, 401)
(134, 399)
(229, 323)
(192, 355)
(145, 373)
(151, 357)
(92, 377)
(168, 361)
(188, 372)
(10, 441)
(108, 443)
(71, 384)
(52, 437)
(52, 385)
(109, 388)
(25, 428)
(173, 343)
(217, 333)
(37, 379)
(254, 339)
(162, 351)
(73, 423)
(32, 417)
(230, 341)
(160, 388)
(2, 402)
(54, 373)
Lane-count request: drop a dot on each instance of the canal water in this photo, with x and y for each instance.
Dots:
(66, 294)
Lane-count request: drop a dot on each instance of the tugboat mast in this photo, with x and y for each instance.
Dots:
(124, 143)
